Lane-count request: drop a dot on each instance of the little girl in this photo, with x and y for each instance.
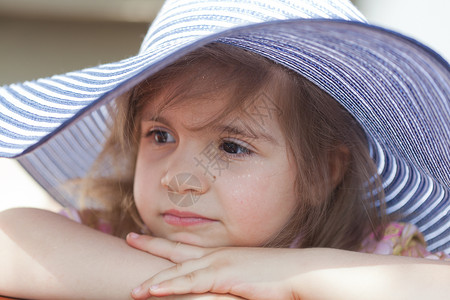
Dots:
(226, 154)
(252, 139)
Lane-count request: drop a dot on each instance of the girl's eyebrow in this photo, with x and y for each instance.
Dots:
(248, 134)
(153, 118)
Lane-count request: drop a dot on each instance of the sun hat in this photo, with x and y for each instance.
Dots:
(397, 89)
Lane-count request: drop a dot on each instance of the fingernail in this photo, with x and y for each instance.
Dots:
(133, 235)
(154, 287)
(137, 290)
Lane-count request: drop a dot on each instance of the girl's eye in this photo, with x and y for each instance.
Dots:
(233, 148)
(161, 136)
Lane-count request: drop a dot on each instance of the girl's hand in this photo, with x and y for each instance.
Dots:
(267, 273)
(207, 296)
(251, 273)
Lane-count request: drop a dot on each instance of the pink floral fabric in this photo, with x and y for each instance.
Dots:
(89, 218)
(401, 239)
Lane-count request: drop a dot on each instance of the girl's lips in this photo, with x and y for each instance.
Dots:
(184, 218)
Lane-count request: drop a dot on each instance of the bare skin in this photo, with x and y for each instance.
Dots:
(264, 273)
(46, 256)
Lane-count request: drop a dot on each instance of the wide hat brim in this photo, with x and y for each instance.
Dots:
(395, 87)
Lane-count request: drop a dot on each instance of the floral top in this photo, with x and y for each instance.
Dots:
(88, 218)
(401, 239)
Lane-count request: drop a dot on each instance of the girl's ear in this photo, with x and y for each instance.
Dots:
(338, 160)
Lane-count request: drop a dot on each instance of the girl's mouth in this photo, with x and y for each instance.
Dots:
(184, 218)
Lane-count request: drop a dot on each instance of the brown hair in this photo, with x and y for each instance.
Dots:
(335, 175)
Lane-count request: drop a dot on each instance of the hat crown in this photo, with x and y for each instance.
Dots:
(179, 20)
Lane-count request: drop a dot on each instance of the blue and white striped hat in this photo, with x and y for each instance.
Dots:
(395, 87)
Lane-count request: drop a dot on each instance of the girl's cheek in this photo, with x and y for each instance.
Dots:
(248, 210)
(247, 181)
(246, 192)
(145, 186)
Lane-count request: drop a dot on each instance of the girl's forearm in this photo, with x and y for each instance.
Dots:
(337, 274)
(44, 255)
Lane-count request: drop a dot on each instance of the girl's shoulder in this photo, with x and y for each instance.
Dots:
(401, 239)
(89, 217)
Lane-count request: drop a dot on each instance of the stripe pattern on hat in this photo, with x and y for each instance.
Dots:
(31, 111)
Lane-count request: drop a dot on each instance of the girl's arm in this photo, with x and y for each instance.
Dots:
(318, 273)
(45, 255)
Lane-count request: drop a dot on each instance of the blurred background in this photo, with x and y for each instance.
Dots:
(40, 38)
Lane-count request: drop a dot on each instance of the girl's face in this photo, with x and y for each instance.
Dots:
(228, 184)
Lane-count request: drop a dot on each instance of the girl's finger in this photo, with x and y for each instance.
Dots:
(178, 270)
(196, 282)
(173, 251)
(207, 296)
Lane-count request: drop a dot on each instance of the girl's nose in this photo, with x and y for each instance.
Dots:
(183, 176)
(184, 189)
(183, 183)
